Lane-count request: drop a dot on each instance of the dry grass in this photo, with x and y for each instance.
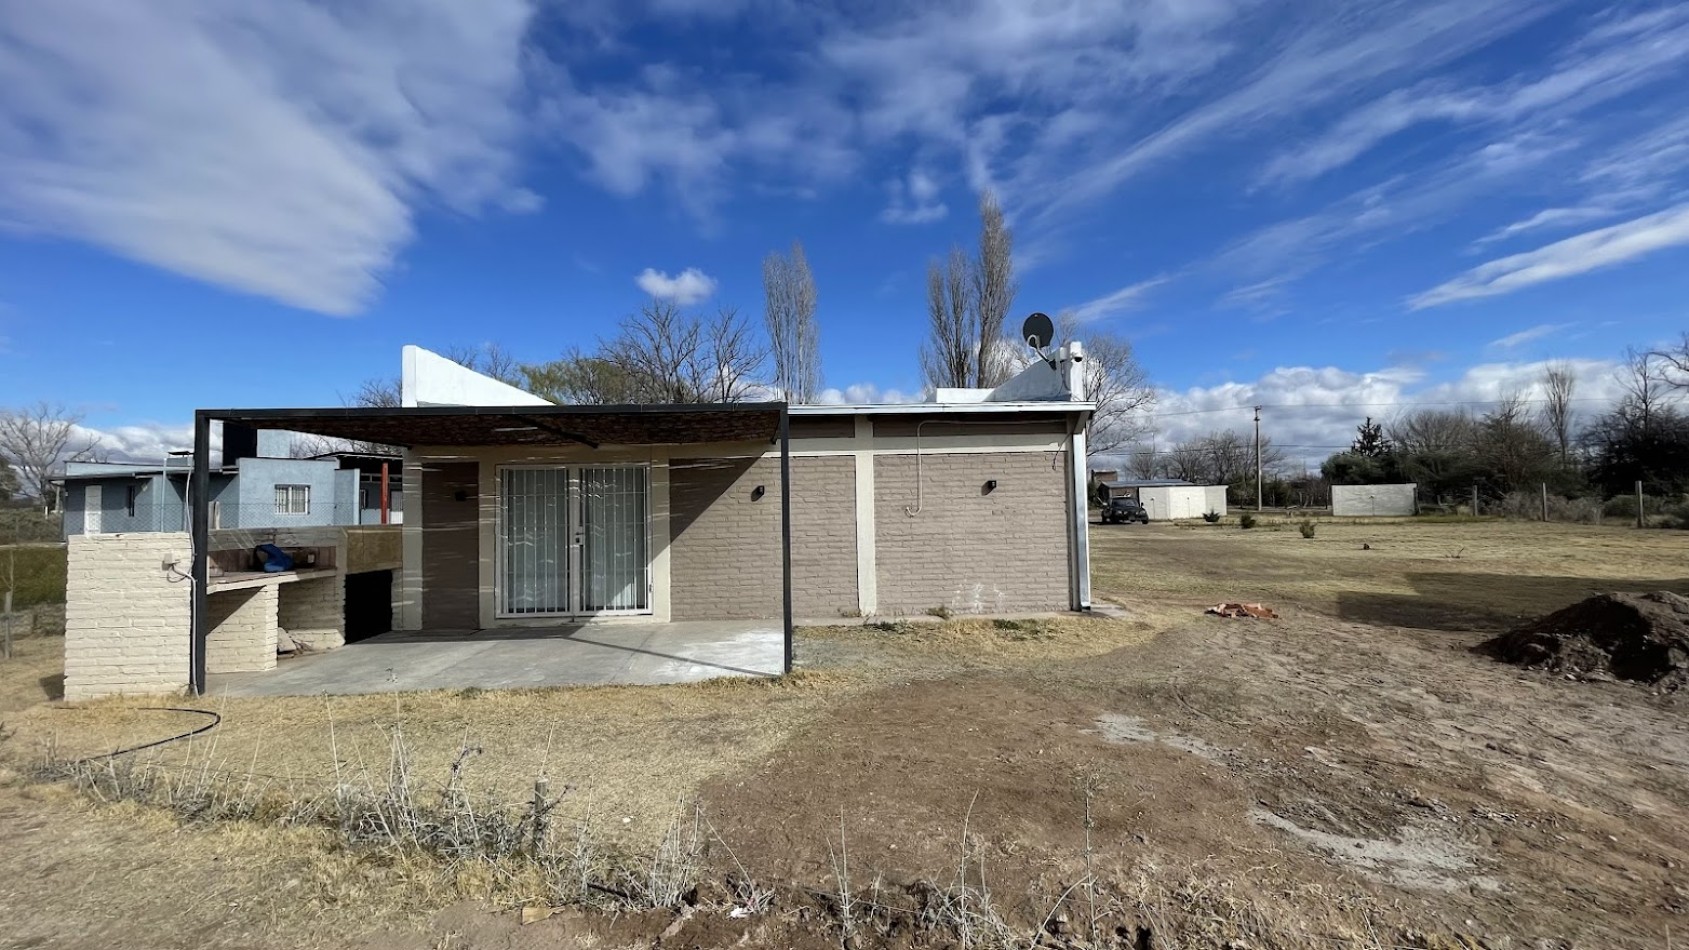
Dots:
(1494, 571)
(631, 756)
(628, 753)
(923, 645)
(34, 674)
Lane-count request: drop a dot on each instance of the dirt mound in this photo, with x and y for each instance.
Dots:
(1640, 637)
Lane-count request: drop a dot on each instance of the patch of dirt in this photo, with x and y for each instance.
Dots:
(1639, 637)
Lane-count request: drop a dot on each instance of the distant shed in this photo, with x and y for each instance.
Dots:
(1359, 501)
(1170, 499)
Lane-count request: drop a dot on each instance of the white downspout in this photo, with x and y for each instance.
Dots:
(1079, 550)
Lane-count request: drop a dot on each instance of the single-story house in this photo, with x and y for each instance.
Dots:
(258, 485)
(524, 515)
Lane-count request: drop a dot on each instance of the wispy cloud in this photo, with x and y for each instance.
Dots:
(914, 200)
(1528, 335)
(1592, 250)
(281, 149)
(685, 288)
(1544, 220)
(1129, 297)
(1616, 59)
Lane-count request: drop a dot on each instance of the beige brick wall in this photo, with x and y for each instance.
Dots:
(724, 557)
(725, 547)
(126, 622)
(314, 612)
(823, 537)
(969, 551)
(241, 630)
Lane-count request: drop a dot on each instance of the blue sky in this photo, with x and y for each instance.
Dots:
(1331, 207)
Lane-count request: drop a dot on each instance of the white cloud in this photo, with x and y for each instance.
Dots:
(1129, 297)
(1313, 411)
(1528, 335)
(1581, 254)
(914, 201)
(864, 394)
(147, 442)
(685, 288)
(280, 149)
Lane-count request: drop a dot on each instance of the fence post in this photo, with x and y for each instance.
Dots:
(1640, 522)
(1545, 501)
(1474, 501)
(6, 620)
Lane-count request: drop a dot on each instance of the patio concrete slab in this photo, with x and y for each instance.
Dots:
(577, 655)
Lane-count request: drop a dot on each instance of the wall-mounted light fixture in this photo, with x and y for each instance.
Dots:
(989, 487)
(758, 492)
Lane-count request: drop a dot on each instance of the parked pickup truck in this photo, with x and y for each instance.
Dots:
(1124, 511)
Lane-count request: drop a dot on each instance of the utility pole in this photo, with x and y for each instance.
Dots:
(1257, 458)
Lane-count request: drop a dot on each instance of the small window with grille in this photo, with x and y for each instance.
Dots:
(293, 499)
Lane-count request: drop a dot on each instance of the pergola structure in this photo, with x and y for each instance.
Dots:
(531, 425)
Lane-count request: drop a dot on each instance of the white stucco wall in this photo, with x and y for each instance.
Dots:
(1214, 498)
(1175, 502)
(1367, 500)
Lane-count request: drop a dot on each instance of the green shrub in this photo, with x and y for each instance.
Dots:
(38, 572)
(1212, 517)
(1307, 528)
(1248, 521)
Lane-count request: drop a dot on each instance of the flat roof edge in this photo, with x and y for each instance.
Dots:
(941, 408)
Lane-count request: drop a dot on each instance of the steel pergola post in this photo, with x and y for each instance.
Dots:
(200, 534)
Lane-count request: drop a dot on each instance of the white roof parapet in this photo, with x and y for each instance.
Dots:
(941, 408)
(429, 379)
(1060, 381)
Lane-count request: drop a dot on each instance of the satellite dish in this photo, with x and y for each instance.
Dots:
(1038, 331)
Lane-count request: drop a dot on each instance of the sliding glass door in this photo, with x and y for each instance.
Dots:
(573, 540)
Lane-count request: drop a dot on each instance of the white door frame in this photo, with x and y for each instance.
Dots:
(574, 554)
(93, 509)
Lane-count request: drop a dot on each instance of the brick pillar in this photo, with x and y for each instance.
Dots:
(126, 615)
(313, 612)
(242, 630)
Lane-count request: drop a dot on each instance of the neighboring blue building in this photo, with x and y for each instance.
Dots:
(258, 486)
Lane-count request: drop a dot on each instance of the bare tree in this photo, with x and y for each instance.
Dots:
(794, 338)
(1670, 364)
(1515, 447)
(488, 359)
(1116, 383)
(1644, 379)
(660, 350)
(1142, 461)
(947, 357)
(659, 355)
(993, 289)
(1559, 383)
(736, 357)
(1187, 460)
(38, 440)
(968, 301)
